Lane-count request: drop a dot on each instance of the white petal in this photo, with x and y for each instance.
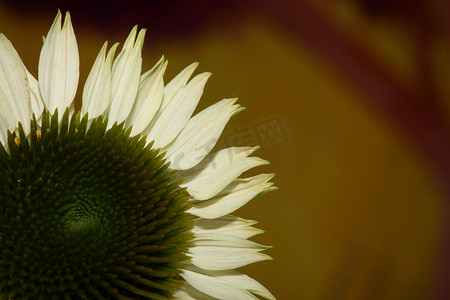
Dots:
(37, 104)
(172, 88)
(148, 99)
(125, 77)
(178, 112)
(212, 251)
(246, 282)
(59, 66)
(234, 196)
(15, 98)
(177, 83)
(187, 292)
(217, 170)
(216, 287)
(200, 135)
(209, 239)
(227, 225)
(238, 280)
(97, 89)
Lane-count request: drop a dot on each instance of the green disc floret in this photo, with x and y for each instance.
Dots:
(88, 212)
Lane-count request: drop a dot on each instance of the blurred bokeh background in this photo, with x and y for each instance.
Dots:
(350, 101)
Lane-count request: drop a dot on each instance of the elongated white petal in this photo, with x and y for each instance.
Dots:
(227, 164)
(97, 90)
(216, 287)
(227, 225)
(245, 184)
(200, 134)
(234, 196)
(172, 88)
(204, 240)
(177, 83)
(37, 104)
(148, 99)
(245, 282)
(126, 71)
(187, 292)
(59, 66)
(239, 280)
(178, 112)
(15, 98)
(212, 251)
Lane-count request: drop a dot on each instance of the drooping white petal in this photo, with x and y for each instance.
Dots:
(37, 104)
(227, 225)
(234, 196)
(215, 287)
(219, 285)
(172, 88)
(245, 282)
(200, 134)
(59, 66)
(217, 170)
(97, 89)
(237, 279)
(187, 292)
(15, 98)
(211, 251)
(125, 77)
(148, 99)
(178, 112)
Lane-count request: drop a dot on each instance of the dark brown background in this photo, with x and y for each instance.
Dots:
(355, 98)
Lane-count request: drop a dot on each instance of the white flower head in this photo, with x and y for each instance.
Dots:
(116, 201)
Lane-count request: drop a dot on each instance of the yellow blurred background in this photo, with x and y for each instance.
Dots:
(350, 102)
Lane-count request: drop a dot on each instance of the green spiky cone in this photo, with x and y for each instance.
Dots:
(88, 213)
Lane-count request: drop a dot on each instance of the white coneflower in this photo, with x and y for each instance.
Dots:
(116, 201)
